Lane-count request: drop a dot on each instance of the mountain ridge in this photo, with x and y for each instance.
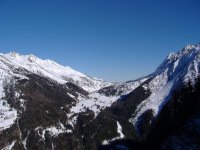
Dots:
(53, 70)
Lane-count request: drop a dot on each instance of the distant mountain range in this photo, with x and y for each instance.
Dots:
(44, 105)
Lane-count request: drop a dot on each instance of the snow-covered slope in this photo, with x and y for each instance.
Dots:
(105, 97)
(52, 70)
(175, 70)
(8, 115)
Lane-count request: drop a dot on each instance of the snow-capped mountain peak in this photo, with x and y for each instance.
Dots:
(171, 56)
(176, 69)
(183, 57)
(53, 70)
(14, 54)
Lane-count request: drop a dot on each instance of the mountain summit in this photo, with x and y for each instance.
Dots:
(52, 70)
(177, 69)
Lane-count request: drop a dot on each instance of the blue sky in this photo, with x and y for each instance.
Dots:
(114, 40)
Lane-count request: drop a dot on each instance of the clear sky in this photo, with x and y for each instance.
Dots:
(115, 40)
